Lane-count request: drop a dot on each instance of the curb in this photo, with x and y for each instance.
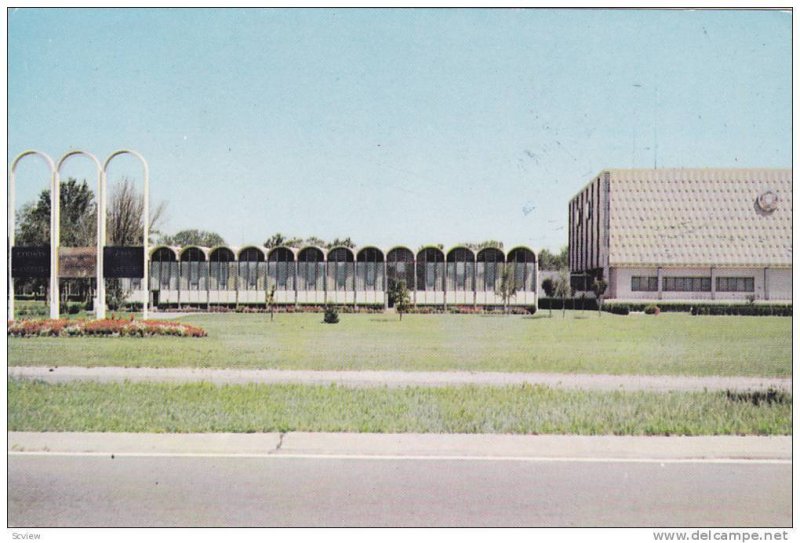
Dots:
(413, 446)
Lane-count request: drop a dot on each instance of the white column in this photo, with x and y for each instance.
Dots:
(54, 202)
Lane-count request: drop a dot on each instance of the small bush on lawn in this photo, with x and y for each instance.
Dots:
(105, 327)
(617, 309)
(331, 315)
(652, 309)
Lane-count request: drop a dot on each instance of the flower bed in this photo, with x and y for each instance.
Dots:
(105, 327)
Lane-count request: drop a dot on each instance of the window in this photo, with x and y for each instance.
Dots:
(644, 284)
(687, 284)
(735, 284)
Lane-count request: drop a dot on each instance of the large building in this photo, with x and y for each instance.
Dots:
(209, 276)
(685, 234)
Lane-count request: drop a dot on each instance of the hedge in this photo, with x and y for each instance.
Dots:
(703, 308)
(571, 303)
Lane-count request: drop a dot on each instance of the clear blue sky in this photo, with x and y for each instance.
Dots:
(394, 126)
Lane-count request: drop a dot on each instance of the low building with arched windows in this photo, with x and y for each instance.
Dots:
(227, 276)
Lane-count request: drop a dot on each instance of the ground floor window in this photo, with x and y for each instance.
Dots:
(639, 284)
(735, 284)
(687, 284)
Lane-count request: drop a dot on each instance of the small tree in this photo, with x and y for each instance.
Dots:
(271, 303)
(549, 288)
(401, 299)
(507, 289)
(563, 289)
(599, 287)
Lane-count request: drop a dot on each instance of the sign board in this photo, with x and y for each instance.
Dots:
(30, 262)
(77, 262)
(122, 262)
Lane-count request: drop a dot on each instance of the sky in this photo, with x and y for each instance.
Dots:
(393, 127)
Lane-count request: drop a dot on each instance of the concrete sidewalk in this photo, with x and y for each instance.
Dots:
(653, 383)
(413, 446)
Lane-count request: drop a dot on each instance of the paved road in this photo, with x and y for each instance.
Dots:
(309, 479)
(658, 383)
(290, 491)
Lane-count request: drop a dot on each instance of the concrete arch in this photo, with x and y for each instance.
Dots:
(193, 253)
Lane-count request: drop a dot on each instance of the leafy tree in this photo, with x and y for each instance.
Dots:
(276, 240)
(599, 287)
(507, 289)
(194, 237)
(490, 243)
(78, 220)
(553, 262)
(315, 242)
(400, 297)
(549, 287)
(344, 242)
(439, 246)
(563, 289)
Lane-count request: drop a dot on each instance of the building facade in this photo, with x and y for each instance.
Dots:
(685, 234)
(203, 276)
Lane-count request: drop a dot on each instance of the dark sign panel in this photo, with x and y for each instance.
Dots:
(77, 262)
(121, 262)
(30, 262)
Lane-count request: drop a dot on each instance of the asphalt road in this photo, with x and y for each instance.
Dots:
(66, 489)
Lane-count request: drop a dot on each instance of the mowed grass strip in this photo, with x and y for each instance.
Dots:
(667, 344)
(203, 407)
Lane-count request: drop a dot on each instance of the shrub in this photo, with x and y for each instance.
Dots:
(652, 309)
(758, 397)
(331, 315)
(617, 309)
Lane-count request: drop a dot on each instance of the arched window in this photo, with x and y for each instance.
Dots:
(430, 269)
(369, 269)
(281, 268)
(341, 269)
(523, 261)
(193, 269)
(163, 269)
(460, 270)
(222, 269)
(400, 267)
(252, 269)
(311, 269)
(488, 270)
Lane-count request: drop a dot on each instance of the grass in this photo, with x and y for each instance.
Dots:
(202, 407)
(668, 344)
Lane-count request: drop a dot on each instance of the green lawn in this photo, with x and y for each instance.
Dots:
(634, 344)
(201, 407)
